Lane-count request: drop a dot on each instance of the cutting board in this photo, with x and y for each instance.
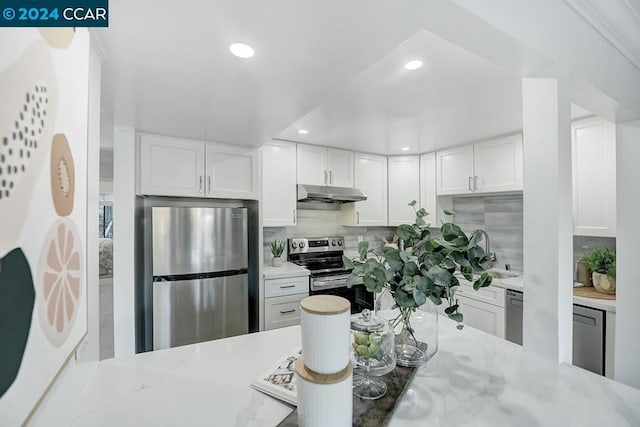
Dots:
(590, 292)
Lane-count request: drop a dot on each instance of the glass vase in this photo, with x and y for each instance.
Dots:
(416, 329)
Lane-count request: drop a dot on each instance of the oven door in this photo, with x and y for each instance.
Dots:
(357, 295)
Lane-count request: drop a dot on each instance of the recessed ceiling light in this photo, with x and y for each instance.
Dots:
(413, 65)
(406, 148)
(303, 131)
(241, 50)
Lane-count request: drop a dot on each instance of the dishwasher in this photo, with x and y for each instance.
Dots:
(588, 339)
(588, 332)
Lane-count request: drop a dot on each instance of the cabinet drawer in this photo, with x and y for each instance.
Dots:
(492, 294)
(288, 286)
(282, 311)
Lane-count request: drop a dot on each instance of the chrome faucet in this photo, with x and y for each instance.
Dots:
(487, 246)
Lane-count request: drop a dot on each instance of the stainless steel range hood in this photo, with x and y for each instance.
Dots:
(321, 193)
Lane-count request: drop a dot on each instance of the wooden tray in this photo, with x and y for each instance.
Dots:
(590, 292)
(370, 413)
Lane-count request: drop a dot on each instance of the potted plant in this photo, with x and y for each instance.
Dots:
(602, 263)
(277, 248)
(426, 271)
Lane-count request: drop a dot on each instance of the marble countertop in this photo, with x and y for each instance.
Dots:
(474, 379)
(287, 269)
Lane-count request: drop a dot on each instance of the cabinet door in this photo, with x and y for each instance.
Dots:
(171, 166)
(480, 315)
(594, 178)
(498, 165)
(428, 187)
(455, 170)
(340, 167)
(371, 178)
(404, 186)
(312, 165)
(232, 172)
(279, 195)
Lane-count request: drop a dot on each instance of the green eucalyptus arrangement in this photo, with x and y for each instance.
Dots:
(426, 268)
(277, 248)
(601, 260)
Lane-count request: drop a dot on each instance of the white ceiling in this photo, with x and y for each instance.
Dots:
(332, 67)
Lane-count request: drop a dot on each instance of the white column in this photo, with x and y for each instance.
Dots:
(93, 183)
(627, 336)
(548, 240)
(124, 195)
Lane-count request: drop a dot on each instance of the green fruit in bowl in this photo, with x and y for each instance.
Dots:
(361, 338)
(362, 351)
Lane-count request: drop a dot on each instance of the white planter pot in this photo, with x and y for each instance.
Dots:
(276, 261)
(604, 284)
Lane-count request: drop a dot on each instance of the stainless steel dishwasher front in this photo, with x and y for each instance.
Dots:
(588, 339)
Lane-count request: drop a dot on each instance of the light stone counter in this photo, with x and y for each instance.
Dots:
(288, 269)
(474, 379)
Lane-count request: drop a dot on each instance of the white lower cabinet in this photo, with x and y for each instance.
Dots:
(282, 301)
(481, 315)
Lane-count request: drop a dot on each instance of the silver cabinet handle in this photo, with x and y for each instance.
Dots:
(294, 216)
(470, 189)
(357, 217)
(209, 179)
(475, 183)
(287, 287)
(330, 177)
(200, 189)
(325, 177)
(287, 311)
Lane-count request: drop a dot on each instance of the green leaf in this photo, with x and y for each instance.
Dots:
(410, 269)
(451, 309)
(476, 238)
(419, 297)
(371, 285)
(456, 316)
(460, 327)
(482, 282)
(467, 272)
(447, 212)
(363, 249)
(421, 213)
(347, 262)
(412, 203)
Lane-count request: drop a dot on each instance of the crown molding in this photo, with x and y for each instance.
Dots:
(615, 36)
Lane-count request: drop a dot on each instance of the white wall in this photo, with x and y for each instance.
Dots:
(124, 194)
(627, 349)
(548, 255)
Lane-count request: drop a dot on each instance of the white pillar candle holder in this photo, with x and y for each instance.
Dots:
(325, 322)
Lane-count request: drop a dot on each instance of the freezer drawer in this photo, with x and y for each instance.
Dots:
(190, 311)
(198, 240)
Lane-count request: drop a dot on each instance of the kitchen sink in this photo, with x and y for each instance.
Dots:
(502, 274)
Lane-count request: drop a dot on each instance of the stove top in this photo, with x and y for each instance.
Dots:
(320, 255)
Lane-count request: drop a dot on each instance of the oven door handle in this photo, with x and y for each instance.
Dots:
(330, 283)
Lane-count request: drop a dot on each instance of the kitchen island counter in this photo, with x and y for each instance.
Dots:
(474, 379)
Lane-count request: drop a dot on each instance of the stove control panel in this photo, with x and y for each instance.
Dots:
(317, 244)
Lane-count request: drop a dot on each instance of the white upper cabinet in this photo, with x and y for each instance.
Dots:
(340, 168)
(231, 172)
(324, 166)
(171, 167)
(371, 178)
(312, 165)
(455, 170)
(428, 187)
(181, 167)
(279, 184)
(404, 186)
(498, 165)
(486, 167)
(594, 177)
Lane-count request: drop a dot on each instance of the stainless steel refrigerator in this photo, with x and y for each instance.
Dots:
(200, 274)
